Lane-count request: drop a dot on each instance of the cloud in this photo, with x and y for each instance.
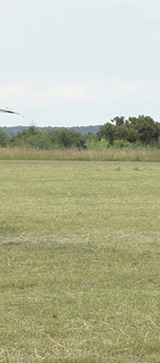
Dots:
(121, 89)
(129, 88)
(22, 92)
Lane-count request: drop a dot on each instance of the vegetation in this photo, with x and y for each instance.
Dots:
(96, 153)
(4, 139)
(142, 130)
(79, 249)
(120, 132)
(60, 138)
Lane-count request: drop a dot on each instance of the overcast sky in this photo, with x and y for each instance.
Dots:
(79, 62)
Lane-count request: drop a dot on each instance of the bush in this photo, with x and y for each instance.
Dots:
(3, 138)
(121, 143)
(97, 145)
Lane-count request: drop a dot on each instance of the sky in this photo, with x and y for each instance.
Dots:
(79, 62)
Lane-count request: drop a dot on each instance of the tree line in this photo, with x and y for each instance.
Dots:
(119, 132)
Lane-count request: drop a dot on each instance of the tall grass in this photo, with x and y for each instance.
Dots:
(108, 154)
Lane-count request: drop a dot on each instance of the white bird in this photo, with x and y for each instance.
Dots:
(6, 109)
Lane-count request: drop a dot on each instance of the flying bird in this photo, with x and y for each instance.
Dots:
(6, 109)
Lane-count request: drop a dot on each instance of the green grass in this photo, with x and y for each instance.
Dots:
(79, 257)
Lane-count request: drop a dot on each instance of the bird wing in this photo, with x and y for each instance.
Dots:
(6, 109)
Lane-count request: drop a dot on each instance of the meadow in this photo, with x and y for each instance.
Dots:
(80, 256)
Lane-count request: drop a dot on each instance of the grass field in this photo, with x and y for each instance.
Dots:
(80, 260)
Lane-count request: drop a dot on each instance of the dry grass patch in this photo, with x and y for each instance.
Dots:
(108, 154)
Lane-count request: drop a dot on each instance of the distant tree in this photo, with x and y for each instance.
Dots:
(93, 142)
(146, 127)
(3, 138)
(59, 138)
(121, 132)
(26, 137)
(132, 134)
(118, 120)
(71, 138)
(91, 137)
(108, 132)
(141, 129)
(33, 130)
